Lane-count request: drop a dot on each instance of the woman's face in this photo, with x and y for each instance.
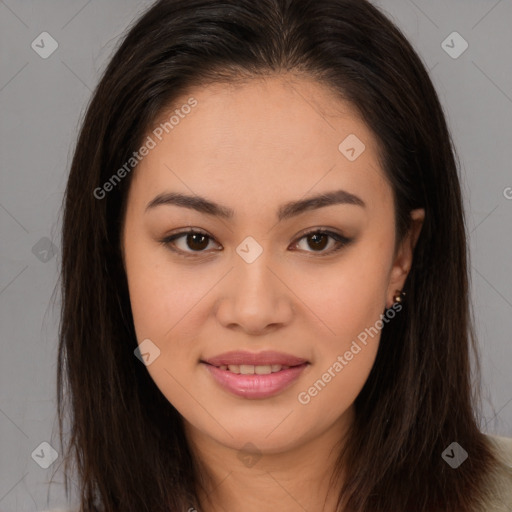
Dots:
(253, 280)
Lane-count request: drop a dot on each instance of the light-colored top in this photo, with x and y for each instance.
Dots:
(499, 482)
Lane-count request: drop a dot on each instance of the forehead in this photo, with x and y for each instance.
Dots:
(264, 136)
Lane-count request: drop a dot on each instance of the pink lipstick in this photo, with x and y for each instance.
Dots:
(255, 375)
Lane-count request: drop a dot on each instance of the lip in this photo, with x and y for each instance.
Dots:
(255, 359)
(255, 386)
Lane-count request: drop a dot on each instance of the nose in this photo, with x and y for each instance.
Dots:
(255, 298)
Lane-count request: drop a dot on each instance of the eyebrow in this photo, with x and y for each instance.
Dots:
(285, 211)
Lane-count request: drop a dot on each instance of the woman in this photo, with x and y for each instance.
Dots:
(265, 290)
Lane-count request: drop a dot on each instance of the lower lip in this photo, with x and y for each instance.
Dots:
(256, 386)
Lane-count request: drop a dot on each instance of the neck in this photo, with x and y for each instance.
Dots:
(298, 478)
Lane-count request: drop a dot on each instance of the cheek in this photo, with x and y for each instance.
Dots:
(350, 296)
(345, 358)
(161, 293)
(350, 304)
(164, 302)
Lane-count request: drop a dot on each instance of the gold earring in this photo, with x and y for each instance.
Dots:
(399, 295)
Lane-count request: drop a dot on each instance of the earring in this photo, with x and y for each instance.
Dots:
(399, 296)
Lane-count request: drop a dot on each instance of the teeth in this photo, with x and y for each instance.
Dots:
(263, 370)
(249, 369)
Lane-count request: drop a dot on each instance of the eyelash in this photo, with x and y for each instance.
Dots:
(341, 240)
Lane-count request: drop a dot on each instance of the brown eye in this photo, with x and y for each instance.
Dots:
(197, 241)
(188, 242)
(193, 243)
(317, 241)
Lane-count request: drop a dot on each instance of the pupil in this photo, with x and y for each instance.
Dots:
(316, 237)
(192, 239)
(199, 241)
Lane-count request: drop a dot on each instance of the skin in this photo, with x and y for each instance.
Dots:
(252, 147)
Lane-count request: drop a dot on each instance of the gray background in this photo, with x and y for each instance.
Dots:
(42, 102)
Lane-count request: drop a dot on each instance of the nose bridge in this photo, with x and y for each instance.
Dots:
(254, 297)
(253, 278)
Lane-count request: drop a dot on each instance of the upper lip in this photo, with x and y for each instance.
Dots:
(255, 359)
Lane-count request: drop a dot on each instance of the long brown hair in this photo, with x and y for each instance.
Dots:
(125, 438)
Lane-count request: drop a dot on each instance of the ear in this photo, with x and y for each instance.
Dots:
(403, 260)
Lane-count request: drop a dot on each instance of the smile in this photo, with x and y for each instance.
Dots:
(255, 381)
(250, 369)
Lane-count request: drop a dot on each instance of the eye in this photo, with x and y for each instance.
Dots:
(196, 241)
(318, 239)
(193, 241)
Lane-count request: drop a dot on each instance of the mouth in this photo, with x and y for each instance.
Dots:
(250, 369)
(248, 363)
(252, 375)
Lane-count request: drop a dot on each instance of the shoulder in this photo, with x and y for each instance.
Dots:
(498, 486)
(499, 481)
(503, 445)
